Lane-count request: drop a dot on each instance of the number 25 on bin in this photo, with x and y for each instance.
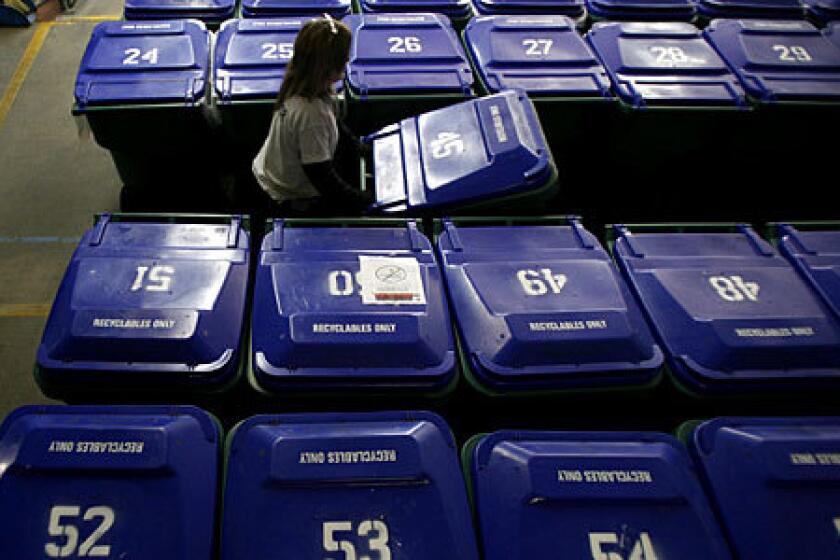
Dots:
(642, 550)
(375, 531)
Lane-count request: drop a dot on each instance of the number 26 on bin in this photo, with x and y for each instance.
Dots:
(375, 531)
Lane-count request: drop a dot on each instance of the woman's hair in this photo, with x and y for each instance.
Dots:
(321, 51)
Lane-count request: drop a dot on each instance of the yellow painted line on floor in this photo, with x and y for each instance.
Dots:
(85, 19)
(41, 31)
(24, 309)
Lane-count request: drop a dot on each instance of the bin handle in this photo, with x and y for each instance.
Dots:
(414, 236)
(577, 228)
(277, 234)
(454, 237)
(99, 229)
(754, 240)
(620, 230)
(233, 233)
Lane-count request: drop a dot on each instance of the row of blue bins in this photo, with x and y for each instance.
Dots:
(364, 308)
(144, 482)
(647, 103)
(214, 12)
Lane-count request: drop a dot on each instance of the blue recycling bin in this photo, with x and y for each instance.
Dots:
(791, 72)
(732, 316)
(148, 306)
(606, 495)
(683, 110)
(211, 12)
(250, 61)
(488, 153)
(709, 10)
(142, 86)
(642, 10)
(815, 253)
(774, 482)
(370, 485)
(109, 482)
(542, 308)
(350, 307)
(297, 8)
(459, 12)
(402, 65)
(575, 9)
(547, 58)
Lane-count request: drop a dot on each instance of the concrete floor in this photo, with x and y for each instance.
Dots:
(51, 183)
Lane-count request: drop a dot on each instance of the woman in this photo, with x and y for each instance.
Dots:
(295, 166)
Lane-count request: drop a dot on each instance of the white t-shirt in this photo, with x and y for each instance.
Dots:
(303, 131)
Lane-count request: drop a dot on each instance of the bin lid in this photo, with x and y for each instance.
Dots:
(656, 64)
(149, 303)
(658, 10)
(823, 10)
(264, 8)
(832, 32)
(763, 9)
(144, 63)
(406, 54)
(544, 55)
(543, 306)
(571, 8)
(775, 483)
(779, 61)
(384, 485)
(477, 150)
(251, 56)
(211, 11)
(455, 9)
(730, 312)
(343, 308)
(128, 482)
(816, 255)
(594, 494)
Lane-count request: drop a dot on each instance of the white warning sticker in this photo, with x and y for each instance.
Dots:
(390, 281)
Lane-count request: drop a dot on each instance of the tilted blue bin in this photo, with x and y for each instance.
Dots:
(575, 9)
(731, 314)
(815, 253)
(547, 58)
(775, 484)
(148, 306)
(542, 307)
(143, 88)
(295, 8)
(488, 152)
(211, 12)
(350, 309)
(759, 9)
(458, 11)
(109, 482)
(683, 110)
(603, 495)
(642, 10)
(372, 485)
(403, 65)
